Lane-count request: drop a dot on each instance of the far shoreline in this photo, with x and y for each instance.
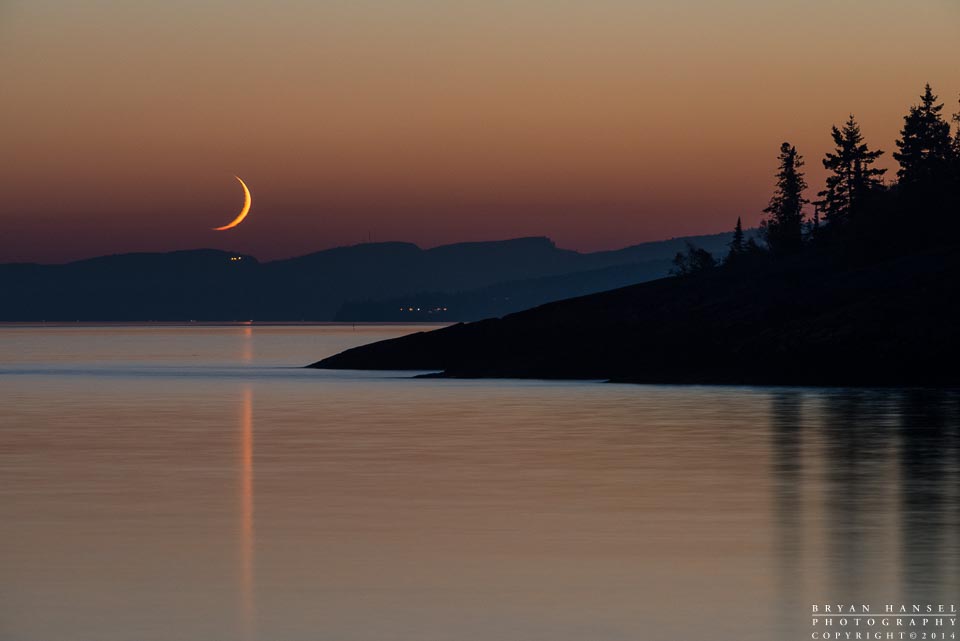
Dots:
(38, 324)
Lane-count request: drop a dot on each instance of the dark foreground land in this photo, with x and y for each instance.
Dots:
(822, 320)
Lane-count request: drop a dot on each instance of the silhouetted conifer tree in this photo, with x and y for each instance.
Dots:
(852, 177)
(783, 227)
(737, 244)
(925, 145)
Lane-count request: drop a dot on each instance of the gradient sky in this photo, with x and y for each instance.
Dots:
(599, 123)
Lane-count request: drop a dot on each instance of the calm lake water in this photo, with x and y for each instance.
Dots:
(193, 483)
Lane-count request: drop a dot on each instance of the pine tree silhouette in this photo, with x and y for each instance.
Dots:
(783, 227)
(925, 145)
(737, 244)
(852, 178)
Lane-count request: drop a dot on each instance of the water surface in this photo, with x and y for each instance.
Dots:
(194, 483)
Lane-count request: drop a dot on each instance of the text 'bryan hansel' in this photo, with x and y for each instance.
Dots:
(931, 621)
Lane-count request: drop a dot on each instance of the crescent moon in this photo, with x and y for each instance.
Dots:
(243, 212)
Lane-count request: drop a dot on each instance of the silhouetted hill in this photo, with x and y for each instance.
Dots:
(315, 286)
(216, 285)
(570, 274)
(502, 298)
(183, 285)
(806, 320)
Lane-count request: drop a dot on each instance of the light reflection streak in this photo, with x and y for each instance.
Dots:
(247, 353)
(247, 534)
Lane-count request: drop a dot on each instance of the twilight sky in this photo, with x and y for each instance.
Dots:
(599, 123)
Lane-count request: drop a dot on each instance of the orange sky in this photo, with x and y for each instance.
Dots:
(600, 123)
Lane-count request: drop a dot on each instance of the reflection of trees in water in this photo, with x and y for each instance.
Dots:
(859, 474)
(788, 487)
(890, 498)
(928, 492)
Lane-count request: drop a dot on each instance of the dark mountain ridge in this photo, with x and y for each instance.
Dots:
(208, 284)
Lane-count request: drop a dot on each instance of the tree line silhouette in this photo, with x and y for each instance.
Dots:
(856, 212)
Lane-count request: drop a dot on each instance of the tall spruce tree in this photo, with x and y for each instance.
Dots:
(852, 175)
(925, 145)
(737, 243)
(783, 226)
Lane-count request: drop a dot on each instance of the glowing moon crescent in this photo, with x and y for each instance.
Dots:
(243, 212)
